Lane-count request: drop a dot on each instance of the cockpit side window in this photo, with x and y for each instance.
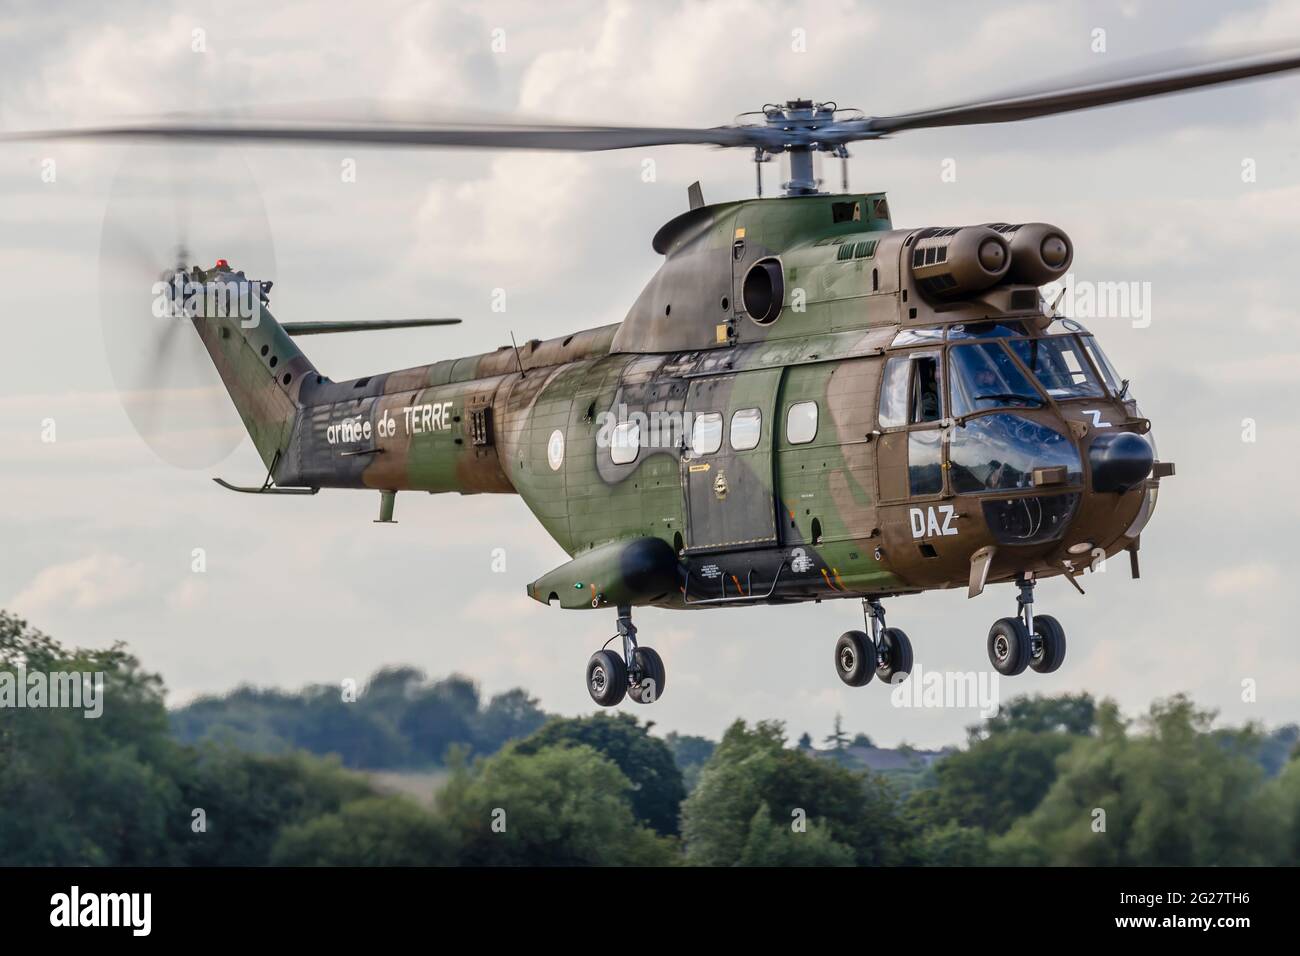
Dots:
(893, 392)
(910, 390)
(926, 405)
(1101, 362)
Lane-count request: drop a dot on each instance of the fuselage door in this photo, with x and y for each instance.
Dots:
(727, 464)
(918, 522)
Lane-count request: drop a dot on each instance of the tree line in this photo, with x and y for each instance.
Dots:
(1052, 780)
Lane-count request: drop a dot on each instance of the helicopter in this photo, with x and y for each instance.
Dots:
(804, 403)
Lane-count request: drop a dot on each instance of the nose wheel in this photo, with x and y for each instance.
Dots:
(637, 673)
(885, 653)
(1030, 640)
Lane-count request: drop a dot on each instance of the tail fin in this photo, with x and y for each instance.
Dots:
(261, 366)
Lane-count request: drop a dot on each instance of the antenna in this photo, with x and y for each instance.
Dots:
(518, 360)
(843, 153)
(1055, 303)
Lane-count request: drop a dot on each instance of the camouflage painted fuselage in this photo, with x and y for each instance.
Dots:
(759, 517)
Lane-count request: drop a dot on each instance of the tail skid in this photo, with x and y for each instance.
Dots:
(268, 486)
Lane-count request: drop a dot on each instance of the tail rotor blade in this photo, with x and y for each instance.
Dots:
(167, 382)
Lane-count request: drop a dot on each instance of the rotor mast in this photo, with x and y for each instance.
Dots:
(798, 121)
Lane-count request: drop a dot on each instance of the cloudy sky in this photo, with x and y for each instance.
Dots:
(97, 534)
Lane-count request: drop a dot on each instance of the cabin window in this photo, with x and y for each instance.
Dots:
(746, 428)
(625, 443)
(706, 433)
(801, 423)
(846, 212)
(909, 391)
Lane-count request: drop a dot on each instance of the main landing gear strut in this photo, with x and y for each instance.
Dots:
(886, 653)
(1028, 639)
(638, 672)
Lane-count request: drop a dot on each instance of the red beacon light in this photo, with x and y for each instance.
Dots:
(222, 264)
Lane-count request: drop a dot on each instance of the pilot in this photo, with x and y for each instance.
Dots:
(929, 393)
(997, 474)
(986, 380)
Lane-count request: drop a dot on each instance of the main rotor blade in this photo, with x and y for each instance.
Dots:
(540, 136)
(777, 133)
(1084, 96)
(321, 328)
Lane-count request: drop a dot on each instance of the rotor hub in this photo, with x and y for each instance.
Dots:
(799, 126)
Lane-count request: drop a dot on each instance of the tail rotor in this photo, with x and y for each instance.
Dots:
(163, 374)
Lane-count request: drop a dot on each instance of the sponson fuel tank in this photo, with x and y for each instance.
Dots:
(633, 571)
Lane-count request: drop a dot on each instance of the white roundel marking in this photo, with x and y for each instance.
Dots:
(555, 450)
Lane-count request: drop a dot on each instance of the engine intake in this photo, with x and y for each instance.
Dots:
(959, 260)
(1040, 253)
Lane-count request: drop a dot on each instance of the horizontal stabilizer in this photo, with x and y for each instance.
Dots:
(321, 328)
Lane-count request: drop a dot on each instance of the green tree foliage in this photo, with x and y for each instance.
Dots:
(1278, 810)
(1061, 781)
(1074, 714)
(508, 716)
(81, 790)
(1172, 796)
(1271, 751)
(553, 806)
(400, 720)
(951, 844)
(753, 769)
(374, 831)
(690, 754)
(993, 783)
(247, 798)
(769, 843)
(119, 790)
(646, 761)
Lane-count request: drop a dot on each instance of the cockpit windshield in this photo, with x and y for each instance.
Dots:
(1000, 452)
(1059, 365)
(984, 377)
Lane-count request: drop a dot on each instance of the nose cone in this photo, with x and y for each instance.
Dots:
(1119, 461)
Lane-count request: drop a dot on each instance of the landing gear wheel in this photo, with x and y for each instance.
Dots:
(1009, 646)
(651, 686)
(855, 658)
(1048, 644)
(893, 655)
(606, 678)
